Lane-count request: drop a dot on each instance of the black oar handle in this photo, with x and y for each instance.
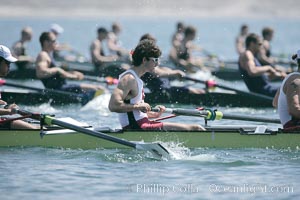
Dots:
(261, 96)
(32, 115)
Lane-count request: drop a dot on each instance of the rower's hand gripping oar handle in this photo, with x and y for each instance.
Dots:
(37, 116)
(21, 112)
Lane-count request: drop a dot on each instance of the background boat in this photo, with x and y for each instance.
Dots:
(231, 99)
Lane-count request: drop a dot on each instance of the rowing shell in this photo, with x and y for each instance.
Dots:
(214, 137)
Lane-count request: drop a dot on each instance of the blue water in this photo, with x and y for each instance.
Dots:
(39, 173)
(45, 173)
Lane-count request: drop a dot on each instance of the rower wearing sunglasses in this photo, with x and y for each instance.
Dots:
(127, 98)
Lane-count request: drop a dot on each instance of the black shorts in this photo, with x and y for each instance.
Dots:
(5, 125)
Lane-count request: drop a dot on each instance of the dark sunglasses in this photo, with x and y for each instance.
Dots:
(52, 41)
(156, 60)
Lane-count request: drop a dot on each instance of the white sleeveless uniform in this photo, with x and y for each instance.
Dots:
(123, 117)
(282, 103)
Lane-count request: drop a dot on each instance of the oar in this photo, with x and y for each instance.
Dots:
(107, 80)
(29, 114)
(156, 149)
(261, 96)
(43, 91)
(216, 115)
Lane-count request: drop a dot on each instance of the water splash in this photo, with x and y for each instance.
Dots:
(177, 150)
(202, 158)
(47, 108)
(99, 104)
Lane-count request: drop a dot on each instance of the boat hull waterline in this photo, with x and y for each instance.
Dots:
(210, 139)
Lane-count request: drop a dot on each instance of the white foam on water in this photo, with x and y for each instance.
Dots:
(47, 108)
(100, 104)
(177, 150)
(201, 75)
(202, 158)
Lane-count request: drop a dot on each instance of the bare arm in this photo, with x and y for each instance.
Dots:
(239, 44)
(293, 95)
(263, 58)
(10, 110)
(167, 72)
(42, 66)
(275, 99)
(173, 56)
(5, 111)
(247, 62)
(43, 69)
(112, 44)
(126, 89)
(17, 52)
(97, 57)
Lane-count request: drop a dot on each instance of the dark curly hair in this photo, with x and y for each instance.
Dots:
(145, 49)
(43, 37)
(252, 37)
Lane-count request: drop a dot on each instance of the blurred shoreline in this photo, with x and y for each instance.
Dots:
(150, 8)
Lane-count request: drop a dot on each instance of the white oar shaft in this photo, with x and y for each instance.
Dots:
(156, 149)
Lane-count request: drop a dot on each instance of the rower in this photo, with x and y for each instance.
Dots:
(105, 65)
(159, 83)
(253, 73)
(9, 123)
(182, 54)
(54, 77)
(19, 49)
(127, 98)
(265, 56)
(178, 35)
(287, 99)
(240, 39)
(114, 44)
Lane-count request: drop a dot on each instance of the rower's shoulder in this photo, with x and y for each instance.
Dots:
(17, 44)
(128, 77)
(246, 55)
(292, 83)
(296, 81)
(43, 54)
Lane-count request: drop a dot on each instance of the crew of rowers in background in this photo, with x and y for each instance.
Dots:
(256, 64)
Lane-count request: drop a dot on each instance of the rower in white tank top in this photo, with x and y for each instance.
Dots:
(138, 115)
(282, 102)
